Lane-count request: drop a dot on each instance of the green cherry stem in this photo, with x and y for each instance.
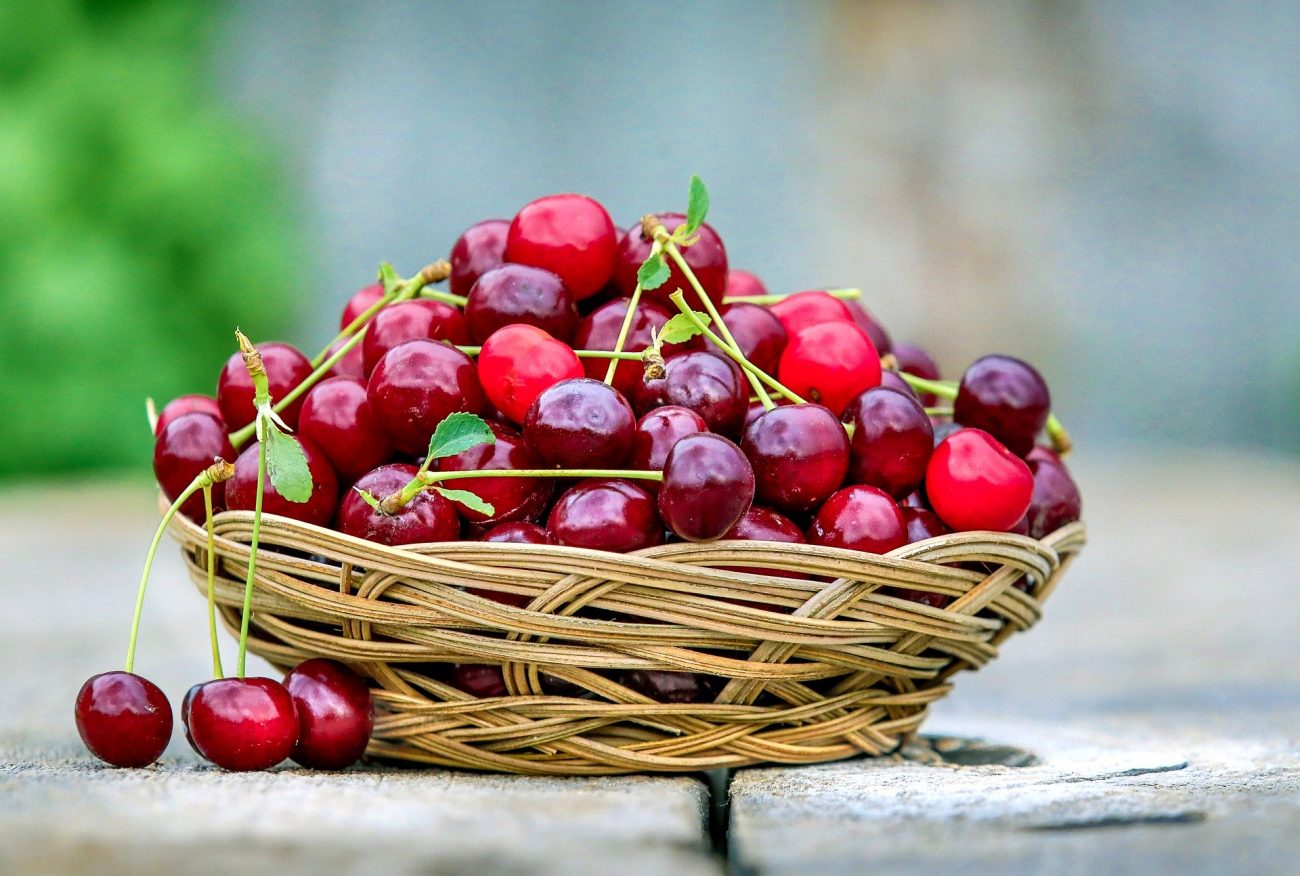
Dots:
(842, 294)
(627, 321)
(426, 479)
(262, 403)
(445, 297)
(217, 670)
(355, 326)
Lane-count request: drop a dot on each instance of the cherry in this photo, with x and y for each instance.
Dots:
(185, 715)
(605, 514)
(351, 365)
(657, 432)
(513, 294)
(860, 518)
(1043, 453)
(241, 490)
(916, 361)
(707, 384)
(479, 680)
(707, 259)
(518, 362)
(408, 321)
(802, 309)
(830, 363)
(286, 367)
(1006, 398)
(973, 482)
(365, 298)
(184, 447)
(571, 235)
(892, 441)
(800, 454)
(428, 517)
(335, 714)
(922, 523)
(124, 719)
(673, 687)
(764, 524)
(600, 330)
(515, 532)
(580, 423)
(480, 249)
(915, 499)
(758, 334)
(708, 483)
(943, 429)
(863, 319)
(744, 284)
(1056, 500)
(187, 404)
(510, 498)
(416, 385)
(243, 724)
(337, 418)
(891, 380)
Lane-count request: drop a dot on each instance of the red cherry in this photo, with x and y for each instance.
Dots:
(286, 367)
(707, 259)
(708, 483)
(243, 724)
(1056, 500)
(335, 714)
(515, 532)
(863, 319)
(744, 284)
(185, 447)
(124, 719)
(657, 432)
(512, 294)
(916, 361)
(365, 298)
(707, 384)
(351, 365)
(800, 454)
(428, 517)
(241, 490)
(480, 249)
(187, 404)
(860, 518)
(973, 482)
(416, 385)
(891, 380)
(571, 235)
(758, 333)
(922, 523)
(607, 515)
(830, 363)
(409, 321)
(599, 331)
(892, 440)
(764, 524)
(580, 423)
(1005, 397)
(802, 309)
(479, 680)
(518, 362)
(337, 418)
(510, 498)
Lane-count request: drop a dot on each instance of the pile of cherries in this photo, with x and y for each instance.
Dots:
(778, 418)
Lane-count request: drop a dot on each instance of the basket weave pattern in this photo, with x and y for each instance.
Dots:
(815, 671)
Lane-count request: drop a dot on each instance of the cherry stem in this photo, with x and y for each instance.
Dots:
(425, 479)
(581, 354)
(217, 670)
(262, 404)
(627, 321)
(842, 294)
(445, 297)
(938, 412)
(151, 412)
(1061, 441)
(356, 325)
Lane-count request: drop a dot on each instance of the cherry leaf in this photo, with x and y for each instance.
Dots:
(697, 205)
(459, 432)
(653, 273)
(286, 465)
(468, 499)
(681, 328)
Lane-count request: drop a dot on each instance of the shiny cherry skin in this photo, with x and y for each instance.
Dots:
(243, 724)
(520, 361)
(365, 298)
(764, 524)
(916, 361)
(124, 719)
(416, 385)
(710, 385)
(510, 498)
(657, 432)
(351, 365)
(860, 518)
(409, 321)
(664, 686)
(800, 455)
(580, 423)
(335, 714)
(891, 380)
(605, 514)
(973, 482)
(892, 441)
(922, 523)
(186, 404)
(185, 715)
(480, 249)
(512, 294)
(337, 418)
(241, 490)
(830, 363)
(758, 333)
(286, 367)
(570, 235)
(707, 259)
(744, 284)
(517, 532)
(813, 307)
(871, 326)
(600, 329)
(428, 517)
(184, 448)
(708, 483)
(479, 680)
(1056, 500)
(1005, 397)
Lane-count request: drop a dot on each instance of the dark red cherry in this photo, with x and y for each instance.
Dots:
(480, 249)
(520, 294)
(124, 719)
(1056, 500)
(428, 517)
(916, 361)
(1043, 453)
(479, 680)
(758, 333)
(580, 423)
(891, 380)
(707, 259)
(607, 515)
(243, 724)
(365, 298)
(337, 418)
(943, 429)
(800, 454)
(186, 404)
(802, 309)
(241, 490)
(860, 518)
(516, 532)
(892, 441)
(863, 319)
(657, 432)
(335, 714)
(744, 284)
(408, 321)
(600, 329)
(416, 385)
(351, 365)
(711, 386)
(973, 482)
(185, 715)
(510, 498)
(286, 367)
(184, 448)
(922, 523)
(571, 235)
(830, 363)
(1006, 398)
(518, 362)
(708, 483)
(674, 687)
(764, 524)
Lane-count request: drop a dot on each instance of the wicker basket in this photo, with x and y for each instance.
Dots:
(817, 671)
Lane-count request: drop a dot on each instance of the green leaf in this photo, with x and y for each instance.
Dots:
(459, 432)
(653, 273)
(680, 328)
(368, 497)
(468, 499)
(697, 205)
(286, 465)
